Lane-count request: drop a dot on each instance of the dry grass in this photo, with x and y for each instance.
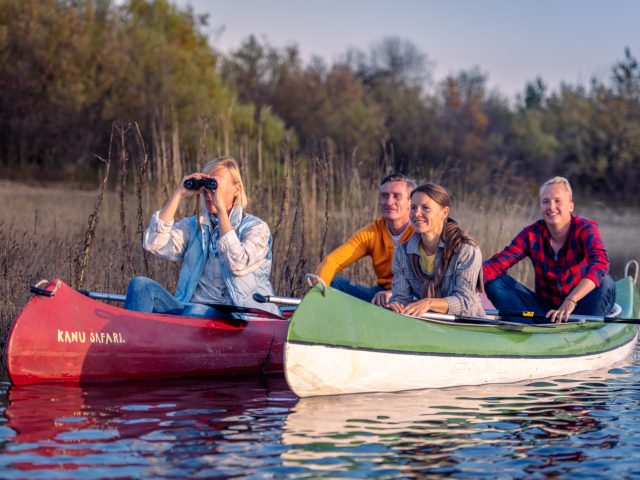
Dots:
(42, 233)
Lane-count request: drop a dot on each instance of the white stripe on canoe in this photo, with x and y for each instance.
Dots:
(313, 370)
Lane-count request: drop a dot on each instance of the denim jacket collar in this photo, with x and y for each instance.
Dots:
(211, 221)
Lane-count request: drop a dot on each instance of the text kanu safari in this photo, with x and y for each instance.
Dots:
(65, 336)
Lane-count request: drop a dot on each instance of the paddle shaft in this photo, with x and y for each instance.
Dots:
(258, 297)
(448, 317)
(575, 318)
(113, 297)
(452, 318)
(429, 315)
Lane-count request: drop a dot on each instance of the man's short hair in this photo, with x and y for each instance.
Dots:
(558, 180)
(399, 177)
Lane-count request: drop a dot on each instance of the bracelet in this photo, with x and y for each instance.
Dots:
(571, 300)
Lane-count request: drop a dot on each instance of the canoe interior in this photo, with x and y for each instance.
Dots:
(340, 320)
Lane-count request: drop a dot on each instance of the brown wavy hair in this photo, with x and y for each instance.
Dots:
(452, 234)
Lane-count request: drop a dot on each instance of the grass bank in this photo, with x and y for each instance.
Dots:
(42, 235)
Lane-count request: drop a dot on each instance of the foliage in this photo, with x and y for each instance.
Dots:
(70, 68)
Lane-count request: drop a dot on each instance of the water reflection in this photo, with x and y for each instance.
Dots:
(542, 428)
(168, 429)
(580, 426)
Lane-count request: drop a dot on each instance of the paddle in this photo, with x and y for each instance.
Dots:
(452, 318)
(198, 310)
(427, 316)
(575, 318)
(113, 297)
(447, 317)
(258, 297)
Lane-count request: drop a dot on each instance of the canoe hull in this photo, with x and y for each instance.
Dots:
(338, 345)
(346, 371)
(72, 338)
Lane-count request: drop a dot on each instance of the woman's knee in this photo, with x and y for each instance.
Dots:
(139, 284)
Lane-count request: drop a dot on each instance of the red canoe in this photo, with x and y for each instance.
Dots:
(69, 337)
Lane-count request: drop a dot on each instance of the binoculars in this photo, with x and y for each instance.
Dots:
(198, 183)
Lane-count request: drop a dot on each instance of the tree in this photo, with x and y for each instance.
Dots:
(534, 93)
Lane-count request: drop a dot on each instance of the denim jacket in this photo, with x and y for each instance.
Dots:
(190, 242)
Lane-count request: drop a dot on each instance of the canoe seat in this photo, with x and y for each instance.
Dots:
(615, 311)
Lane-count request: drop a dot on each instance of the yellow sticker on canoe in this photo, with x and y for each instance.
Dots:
(528, 314)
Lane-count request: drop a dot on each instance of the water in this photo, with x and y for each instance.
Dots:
(582, 426)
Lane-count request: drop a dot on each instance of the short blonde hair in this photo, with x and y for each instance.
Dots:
(230, 164)
(558, 180)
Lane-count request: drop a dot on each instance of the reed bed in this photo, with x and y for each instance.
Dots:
(43, 233)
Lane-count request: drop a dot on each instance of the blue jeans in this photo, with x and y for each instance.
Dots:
(355, 290)
(146, 295)
(509, 295)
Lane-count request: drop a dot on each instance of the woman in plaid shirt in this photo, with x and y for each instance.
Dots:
(569, 259)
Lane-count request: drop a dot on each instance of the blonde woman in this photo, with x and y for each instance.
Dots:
(225, 252)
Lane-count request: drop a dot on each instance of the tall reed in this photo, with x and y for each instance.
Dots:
(312, 204)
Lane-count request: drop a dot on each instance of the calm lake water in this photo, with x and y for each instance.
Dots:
(583, 426)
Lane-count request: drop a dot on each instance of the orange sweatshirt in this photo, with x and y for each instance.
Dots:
(374, 240)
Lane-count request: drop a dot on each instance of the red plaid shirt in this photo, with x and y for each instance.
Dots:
(582, 256)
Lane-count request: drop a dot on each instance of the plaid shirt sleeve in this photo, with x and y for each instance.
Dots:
(498, 265)
(596, 252)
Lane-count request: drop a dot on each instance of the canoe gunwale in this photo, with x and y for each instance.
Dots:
(464, 355)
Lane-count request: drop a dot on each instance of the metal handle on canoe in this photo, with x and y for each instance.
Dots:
(41, 291)
(636, 269)
(258, 297)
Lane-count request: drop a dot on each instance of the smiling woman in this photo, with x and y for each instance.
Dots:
(440, 265)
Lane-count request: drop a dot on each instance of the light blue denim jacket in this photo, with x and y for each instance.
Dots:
(196, 252)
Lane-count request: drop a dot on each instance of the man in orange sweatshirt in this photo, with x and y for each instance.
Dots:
(377, 240)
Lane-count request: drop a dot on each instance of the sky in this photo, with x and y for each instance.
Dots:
(511, 41)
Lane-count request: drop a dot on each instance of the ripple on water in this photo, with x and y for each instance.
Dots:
(583, 426)
(88, 435)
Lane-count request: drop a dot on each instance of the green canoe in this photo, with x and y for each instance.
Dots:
(337, 344)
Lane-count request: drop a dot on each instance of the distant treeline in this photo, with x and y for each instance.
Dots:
(70, 68)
